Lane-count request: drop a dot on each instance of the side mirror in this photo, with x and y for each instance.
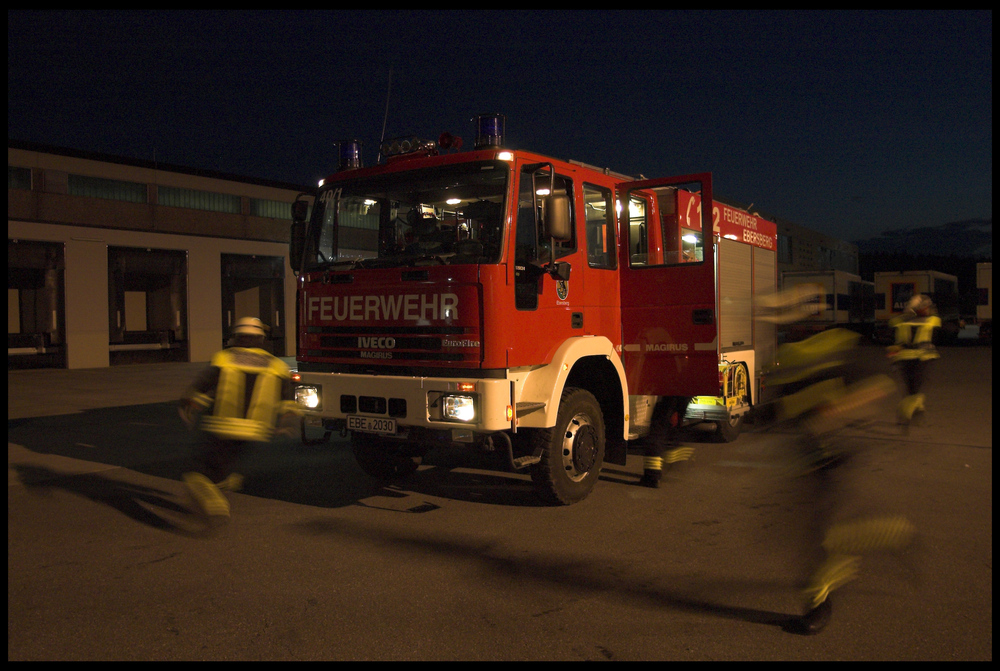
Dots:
(300, 209)
(556, 222)
(296, 245)
(557, 226)
(297, 236)
(559, 270)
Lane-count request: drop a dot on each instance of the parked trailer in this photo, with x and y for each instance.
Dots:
(847, 302)
(984, 308)
(894, 289)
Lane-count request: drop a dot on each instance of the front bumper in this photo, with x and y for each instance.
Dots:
(411, 401)
(712, 409)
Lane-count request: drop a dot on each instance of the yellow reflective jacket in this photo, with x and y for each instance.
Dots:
(915, 337)
(810, 358)
(247, 390)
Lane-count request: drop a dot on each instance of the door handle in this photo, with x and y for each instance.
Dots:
(703, 317)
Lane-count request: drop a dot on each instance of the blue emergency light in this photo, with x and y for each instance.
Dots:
(489, 130)
(350, 155)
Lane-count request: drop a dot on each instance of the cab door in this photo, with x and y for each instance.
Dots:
(670, 344)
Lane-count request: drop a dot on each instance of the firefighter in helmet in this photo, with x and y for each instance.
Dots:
(817, 387)
(913, 351)
(243, 397)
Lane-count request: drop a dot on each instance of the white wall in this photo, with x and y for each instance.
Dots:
(86, 278)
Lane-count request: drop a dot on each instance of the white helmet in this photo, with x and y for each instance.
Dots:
(919, 303)
(250, 326)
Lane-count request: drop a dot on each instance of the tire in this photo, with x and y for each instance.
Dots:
(382, 459)
(729, 430)
(572, 452)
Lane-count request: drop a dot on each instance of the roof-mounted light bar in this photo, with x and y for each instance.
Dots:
(408, 145)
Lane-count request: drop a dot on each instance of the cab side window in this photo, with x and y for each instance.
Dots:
(638, 232)
(531, 249)
(530, 245)
(599, 220)
(661, 233)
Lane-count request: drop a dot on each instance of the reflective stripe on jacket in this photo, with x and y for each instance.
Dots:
(915, 337)
(250, 388)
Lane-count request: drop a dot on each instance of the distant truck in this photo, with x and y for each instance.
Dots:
(894, 289)
(984, 306)
(849, 303)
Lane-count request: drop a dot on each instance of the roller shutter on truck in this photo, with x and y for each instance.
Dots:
(735, 295)
(764, 283)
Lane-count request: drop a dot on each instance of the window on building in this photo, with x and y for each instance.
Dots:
(110, 189)
(18, 178)
(270, 209)
(200, 200)
(845, 260)
(784, 249)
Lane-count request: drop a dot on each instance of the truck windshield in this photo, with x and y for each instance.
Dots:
(447, 215)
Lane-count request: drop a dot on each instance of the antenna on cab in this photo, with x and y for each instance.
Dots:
(385, 119)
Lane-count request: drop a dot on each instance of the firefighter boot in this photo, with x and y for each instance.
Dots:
(835, 572)
(919, 409)
(206, 495)
(815, 619)
(908, 406)
(232, 483)
(869, 535)
(678, 454)
(652, 471)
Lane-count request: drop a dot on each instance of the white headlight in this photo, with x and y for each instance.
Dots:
(307, 397)
(461, 408)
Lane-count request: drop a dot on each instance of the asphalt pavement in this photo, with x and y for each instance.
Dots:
(461, 562)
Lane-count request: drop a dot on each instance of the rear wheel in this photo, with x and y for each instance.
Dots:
(572, 452)
(381, 458)
(729, 430)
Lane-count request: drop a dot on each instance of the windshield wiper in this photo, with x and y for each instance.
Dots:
(412, 261)
(326, 265)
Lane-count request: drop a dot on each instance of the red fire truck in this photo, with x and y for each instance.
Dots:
(531, 307)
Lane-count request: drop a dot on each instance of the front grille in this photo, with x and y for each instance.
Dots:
(392, 345)
(349, 342)
(373, 405)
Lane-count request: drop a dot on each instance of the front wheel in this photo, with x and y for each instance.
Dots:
(572, 452)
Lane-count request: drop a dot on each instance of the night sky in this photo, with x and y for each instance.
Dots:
(850, 123)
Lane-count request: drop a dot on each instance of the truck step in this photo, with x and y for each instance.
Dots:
(523, 462)
(523, 408)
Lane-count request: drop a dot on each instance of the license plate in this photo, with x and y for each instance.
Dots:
(370, 424)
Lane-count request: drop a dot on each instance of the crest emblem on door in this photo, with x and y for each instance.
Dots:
(562, 289)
